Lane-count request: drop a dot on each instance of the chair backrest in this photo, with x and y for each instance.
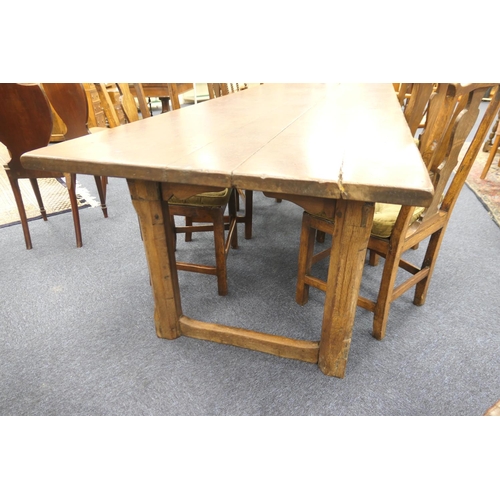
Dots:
(112, 108)
(141, 98)
(25, 120)
(452, 113)
(221, 89)
(70, 102)
(128, 103)
(414, 99)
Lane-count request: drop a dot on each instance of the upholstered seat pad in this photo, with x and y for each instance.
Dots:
(210, 199)
(385, 216)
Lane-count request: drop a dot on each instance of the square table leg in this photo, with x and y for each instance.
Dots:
(158, 237)
(352, 225)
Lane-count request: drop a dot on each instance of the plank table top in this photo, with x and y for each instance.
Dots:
(326, 140)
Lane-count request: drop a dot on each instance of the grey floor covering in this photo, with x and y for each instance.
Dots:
(77, 334)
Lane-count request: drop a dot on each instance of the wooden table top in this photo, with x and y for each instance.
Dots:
(321, 140)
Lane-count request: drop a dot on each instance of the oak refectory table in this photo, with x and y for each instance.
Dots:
(334, 149)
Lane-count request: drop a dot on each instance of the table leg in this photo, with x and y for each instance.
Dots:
(353, 222)
(158, 238)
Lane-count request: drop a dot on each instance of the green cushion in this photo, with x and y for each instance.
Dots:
(385, 217)
(210, 199)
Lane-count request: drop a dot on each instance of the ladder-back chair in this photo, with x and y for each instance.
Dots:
(25, 125)
(451, 115)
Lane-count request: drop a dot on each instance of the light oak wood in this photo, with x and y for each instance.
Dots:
(108, 106)
(300, 141)
(138, 90)
(157, 234)
(127, 102)
(284, 347)
(96, 118)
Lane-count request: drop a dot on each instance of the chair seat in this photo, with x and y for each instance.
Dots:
(385, 216)
(211, 199)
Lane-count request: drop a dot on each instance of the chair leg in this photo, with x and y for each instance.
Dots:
(220, 254)
(173, 233)
(491, 156)
(38, 196)
(242, 194)
(71, 184)
(188, 236)
(101, 184)
(320, 236)
(384, 298)
(248, 214)
(429, 261)
(373, 258)
(22, 212)
(306, 249)
(232, 208)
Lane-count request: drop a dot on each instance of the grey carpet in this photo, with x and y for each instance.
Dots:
(77, 334)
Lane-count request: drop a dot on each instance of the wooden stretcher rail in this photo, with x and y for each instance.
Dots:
(284, 347)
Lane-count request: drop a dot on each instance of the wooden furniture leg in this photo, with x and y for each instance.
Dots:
(158, 237)
(71, 185)
(38, 196)
(248, 214)
(22, 211)
(491, 156)
(353, 222)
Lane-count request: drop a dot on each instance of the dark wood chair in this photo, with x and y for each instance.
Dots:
(25, 125)
(219, 90)
(451, 114)
(69, 101)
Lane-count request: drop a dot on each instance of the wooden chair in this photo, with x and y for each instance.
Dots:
(219, 90)
(69, 100)
(26, 124)
(452, 113)
(207, 208)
